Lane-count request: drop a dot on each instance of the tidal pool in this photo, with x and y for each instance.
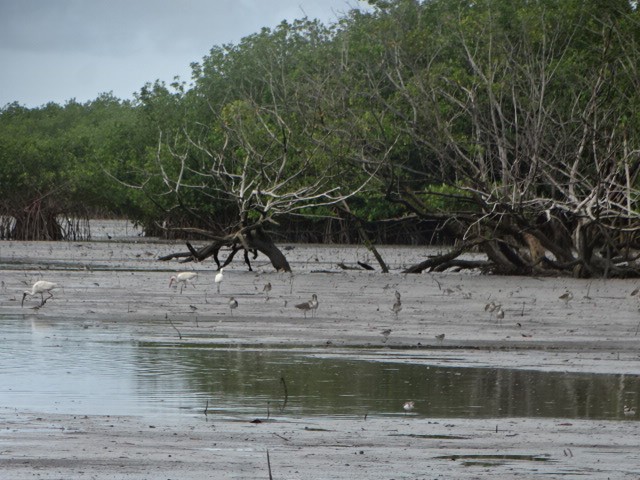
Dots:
(63, 367)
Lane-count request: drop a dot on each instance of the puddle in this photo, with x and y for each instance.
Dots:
(58, 366)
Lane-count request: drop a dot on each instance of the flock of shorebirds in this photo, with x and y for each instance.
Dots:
(183, 279)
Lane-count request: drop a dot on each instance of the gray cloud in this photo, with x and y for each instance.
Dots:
(56, 50)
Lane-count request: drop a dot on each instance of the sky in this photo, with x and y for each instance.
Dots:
(59, 50)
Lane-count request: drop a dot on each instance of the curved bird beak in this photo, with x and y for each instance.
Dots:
(23, 297)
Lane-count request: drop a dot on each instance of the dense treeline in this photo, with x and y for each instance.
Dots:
(509, 126)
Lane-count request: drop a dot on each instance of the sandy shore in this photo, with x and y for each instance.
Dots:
(122, 283)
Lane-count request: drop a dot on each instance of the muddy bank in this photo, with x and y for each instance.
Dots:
(120, 288)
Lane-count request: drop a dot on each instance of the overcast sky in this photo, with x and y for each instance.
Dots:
(57, 50)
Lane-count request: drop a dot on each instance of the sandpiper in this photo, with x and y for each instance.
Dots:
(440, 338)
(266, 289)
(629, 411)
(408, 406)
(566, 297)
(233, 304)
(311, 305)
(385, 334)
(397, 306)
(499, 313)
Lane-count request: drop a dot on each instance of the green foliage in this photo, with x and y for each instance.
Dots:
(389, 93)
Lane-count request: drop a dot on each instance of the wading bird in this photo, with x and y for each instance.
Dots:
(219, 278)
(566, 297)
(311, 305)
(397, 306)
(233, 304)
(408, 406)
(40, 287)
(183, 278)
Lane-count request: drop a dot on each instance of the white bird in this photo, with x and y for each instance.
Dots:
(408, 406)
(233, 304)
(40, 287)
(183, 278)
(219, 278)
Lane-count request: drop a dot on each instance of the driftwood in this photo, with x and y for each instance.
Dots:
(250, 242)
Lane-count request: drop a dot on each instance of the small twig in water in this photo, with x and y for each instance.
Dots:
(286, 394)
(637, 328)
(269, 466)
(174, 327)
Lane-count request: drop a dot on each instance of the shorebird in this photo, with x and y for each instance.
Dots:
(183, 278)
(311, 305)
(408, 406)
(41, 286)
(397, 306)
(233, 304)
(266, 290)
(219, 278)
(440, 338)
(385, 334)
(629, 411)
(566, 297)
(490, 307)
(499, 313)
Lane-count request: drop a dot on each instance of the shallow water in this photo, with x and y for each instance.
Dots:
(68, 367)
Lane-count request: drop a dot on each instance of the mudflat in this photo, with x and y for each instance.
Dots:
(119, 283)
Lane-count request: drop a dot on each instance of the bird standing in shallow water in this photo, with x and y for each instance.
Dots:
(233, 304)
(40, 287)
(311, 305)
(219, 278)
(183, 278)
(408, 406)
(266, 290)
(566, 297)
(397, 306)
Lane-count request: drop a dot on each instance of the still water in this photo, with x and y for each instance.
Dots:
(55, 366)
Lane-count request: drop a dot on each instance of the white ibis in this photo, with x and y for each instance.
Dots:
(219, 278)
(40, 287)
(184, 278)
(233, 304)
(311, 305)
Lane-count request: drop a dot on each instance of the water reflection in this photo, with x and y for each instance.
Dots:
(63, 368)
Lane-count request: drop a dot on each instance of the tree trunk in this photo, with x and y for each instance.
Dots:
(259, 240)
